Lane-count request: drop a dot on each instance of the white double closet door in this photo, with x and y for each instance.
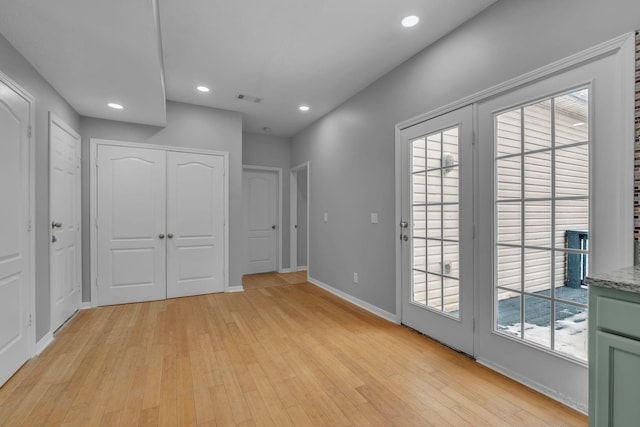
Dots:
(160, 224)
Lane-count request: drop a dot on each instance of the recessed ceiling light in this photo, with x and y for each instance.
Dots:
(115, 106)
(410, 21)
(203, 89)
(303, 108)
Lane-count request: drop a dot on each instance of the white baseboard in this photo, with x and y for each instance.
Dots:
(85, 305)
(536, 386)
(43, 343)
(284, 270)
(356, 301)
(302, 268)
(232, 289)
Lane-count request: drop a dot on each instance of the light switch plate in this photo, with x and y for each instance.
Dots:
(374, 218)
(326, 217)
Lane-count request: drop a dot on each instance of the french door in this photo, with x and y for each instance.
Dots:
(437, 229)
(496, 242)
(553, 191)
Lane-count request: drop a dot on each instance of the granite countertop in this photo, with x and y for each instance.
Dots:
(624, 279)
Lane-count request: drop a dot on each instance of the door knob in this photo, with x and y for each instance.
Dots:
(54, 239)
(273, 227)
(161, 236)
(56, 224)
(405, 237)
(404, 224)
(170, 235)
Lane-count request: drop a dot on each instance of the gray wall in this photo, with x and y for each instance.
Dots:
(352, 148)
(47, 99)
(273, 151)
(302, 217)
(187, 126)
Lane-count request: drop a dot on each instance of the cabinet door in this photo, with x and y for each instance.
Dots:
(195, 224)
(617, 380)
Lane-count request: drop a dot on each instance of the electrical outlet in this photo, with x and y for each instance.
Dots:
(355, 277)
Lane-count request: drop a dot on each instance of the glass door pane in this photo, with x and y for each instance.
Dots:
(542, 218)
(435, 225)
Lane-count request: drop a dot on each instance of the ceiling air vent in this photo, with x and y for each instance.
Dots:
(248, 98)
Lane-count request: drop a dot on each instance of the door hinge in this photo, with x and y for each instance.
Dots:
(29, 132)
(29, 225)
(29, 320)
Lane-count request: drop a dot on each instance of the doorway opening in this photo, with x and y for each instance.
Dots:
(300, 217)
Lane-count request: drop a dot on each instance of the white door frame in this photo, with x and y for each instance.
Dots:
(54, 120)
(93, 196)
(624, 44)
(294, 216)
(278, 214)
(31, 274)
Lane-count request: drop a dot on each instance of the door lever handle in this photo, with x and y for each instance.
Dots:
(56, 224)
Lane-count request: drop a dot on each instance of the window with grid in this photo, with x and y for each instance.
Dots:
(542, 222)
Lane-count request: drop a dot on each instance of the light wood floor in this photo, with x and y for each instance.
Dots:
(283, 353)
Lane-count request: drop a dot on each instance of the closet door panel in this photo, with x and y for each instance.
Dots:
(131, 186)
(195, 224)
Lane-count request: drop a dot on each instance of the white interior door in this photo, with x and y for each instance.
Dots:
(64, 214)
(555, 189)
(14, 232)
(437, 229)
(260, 192)
(195, 224)
(131, 220)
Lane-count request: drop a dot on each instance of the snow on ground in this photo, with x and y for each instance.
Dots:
(570, 335)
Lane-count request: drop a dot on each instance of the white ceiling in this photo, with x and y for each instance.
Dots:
(288, 52)
(93, 52)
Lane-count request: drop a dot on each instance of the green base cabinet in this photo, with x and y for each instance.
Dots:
(614, 358)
